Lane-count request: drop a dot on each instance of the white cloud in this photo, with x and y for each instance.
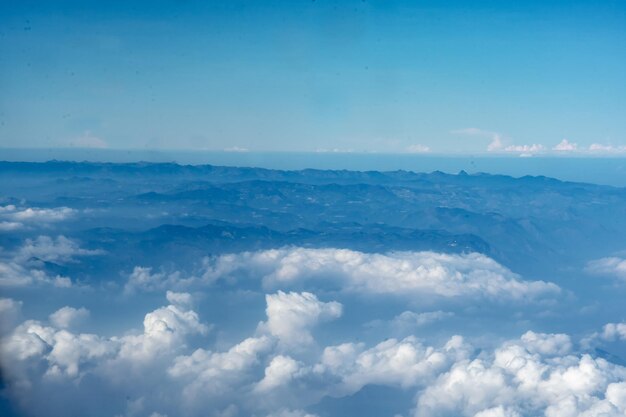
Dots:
(525, 149)
(608, 149)
(291, 315)
(211, 375)
(498, 141)
(179, 298)
(611, 266)
(70, 355)
(63, 351)
(35, 214)
(50, 249)
(10, 311)
(280, 371)
(10, 226)
(535, 375)
(143, 279)
(400, 363)
(25, 265)
(565, 146)
(614, 331)
(406, 274)
(14, 274)
(67, 317)
(496, 138)
(417, 148)
(164, 332)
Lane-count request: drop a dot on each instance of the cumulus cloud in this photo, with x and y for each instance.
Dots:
(59, 249)
(611, 266)
(609, 149)
(535, 375)
(143, 279)
(10, 226)
(10, 311)
(72, 355)
(15, 274)
(17, 216)
(280, 371)
(496, 139)
(525, 149)
(67, 317)
(291, 315)
(164, 331)
(397, 363)
(614, 331)
(63, 351)
(565, 146)
(398, 273)
(25, 266)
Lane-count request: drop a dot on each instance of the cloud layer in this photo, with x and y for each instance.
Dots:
(160, 369)
(398, 273)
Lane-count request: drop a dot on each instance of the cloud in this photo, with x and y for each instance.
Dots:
(291, 315)
(59, 249)
(236, 149)
(66, 317)
(403, 274)
(35, 214)
(565, 146)
(611, 266)
(397, 363)
(497, 143)
(70, 355)
(26, 265)
(164, 331)
(525, 149)
(143, 279)
(88, 140)
(535, 375)
(496, 138)
(158, 368)
(280, 371)
(10, 311)
(607, 149)
(63, 351)
(14, 274)
(417, 148)
(614, 331)
(10, 226)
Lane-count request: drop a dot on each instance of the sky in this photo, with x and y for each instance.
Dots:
(520, 78)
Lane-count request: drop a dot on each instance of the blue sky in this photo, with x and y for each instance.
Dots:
(396, 76)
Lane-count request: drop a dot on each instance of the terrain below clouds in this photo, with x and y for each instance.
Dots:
(300, 293)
